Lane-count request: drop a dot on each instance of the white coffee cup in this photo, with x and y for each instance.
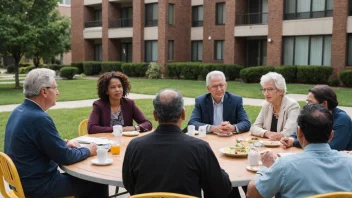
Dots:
(190, 130)
(253, 158)
(202, 131)
(102, 155)
(117, 130)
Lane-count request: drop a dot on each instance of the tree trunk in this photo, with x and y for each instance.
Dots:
(36, 60)
(17, 57)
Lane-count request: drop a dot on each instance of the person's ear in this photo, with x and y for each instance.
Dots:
(208, 88)
(183, 114)
(299, 132)
(155, 116)
(43, 92)
(331, 135)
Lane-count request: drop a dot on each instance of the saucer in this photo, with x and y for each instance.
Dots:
(254, 168)
(107, 162)
(130, 133)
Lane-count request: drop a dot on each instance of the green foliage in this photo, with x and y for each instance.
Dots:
(313, 74)
(24, 64)
(154, 71)
(174, 70)
(10, 69)
(288, 72)
(253, 74)
(79, 66)
(53, 67)
(135, 69)
(28, 69)
(111, 66)
(346, 77)
(334, 82)
(68, 72)
(91, 68)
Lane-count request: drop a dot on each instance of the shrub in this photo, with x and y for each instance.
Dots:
(346, 77)
(54, 67)
(111, 66)
(10, 68)
(154, 71)
(28, 69)
(79, 66)
(288, 72)
(174, 70)
(24, 64)
(253, 74)
(134, 69)
(313, 74)
(91, 68)
(68, 72)
(334, 82)
(21, 70)
(189, 70)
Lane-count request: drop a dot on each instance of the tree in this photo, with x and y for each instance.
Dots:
(20, 24)
(53, 39)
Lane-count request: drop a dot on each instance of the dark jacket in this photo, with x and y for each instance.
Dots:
(99, 120)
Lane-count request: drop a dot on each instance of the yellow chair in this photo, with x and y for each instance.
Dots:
(82, 128)
(333, 195)
(161, 195)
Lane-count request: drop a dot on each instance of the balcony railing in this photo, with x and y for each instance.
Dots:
(121, 23)
(308, 15)
(252, 18)
(89, 24)
(197, 23)
(151, 23)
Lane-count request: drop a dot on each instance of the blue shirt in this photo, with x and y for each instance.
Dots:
(218, 112)
(342, 139)
(316, 170)
(36, 148)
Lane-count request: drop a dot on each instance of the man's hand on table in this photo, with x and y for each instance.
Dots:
(93, 149)
(287, 142)
(274, 136)
(73, 144)
(268, 158)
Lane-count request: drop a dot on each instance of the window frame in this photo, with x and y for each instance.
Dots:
(196, 42)
(171, 21)
(223, 8)
(311, 13)
(154, 22)
(146, 58)
(196, 22)
(222, 49)
(171, 56)
(98, 52)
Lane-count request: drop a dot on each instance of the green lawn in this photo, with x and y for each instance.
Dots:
(67, 120)
(86, 89)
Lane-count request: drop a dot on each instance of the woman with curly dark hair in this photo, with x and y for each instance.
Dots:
(113, 108)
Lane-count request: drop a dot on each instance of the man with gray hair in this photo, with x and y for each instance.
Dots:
(167, 160)
(36, 148)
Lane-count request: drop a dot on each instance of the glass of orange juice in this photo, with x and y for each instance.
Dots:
(115, 149)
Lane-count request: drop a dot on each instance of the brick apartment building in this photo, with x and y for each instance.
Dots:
(247, 32)
(64, 7)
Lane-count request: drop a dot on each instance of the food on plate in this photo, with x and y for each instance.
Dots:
(271, 143)
(252, 140)
(238, 150)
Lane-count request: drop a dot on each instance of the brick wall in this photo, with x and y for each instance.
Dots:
(138, 31)
(275, 23)
(77, 27)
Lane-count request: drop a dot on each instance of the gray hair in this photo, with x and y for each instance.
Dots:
(214, 73)
(37, 79)
(277, 78)
(168, 105)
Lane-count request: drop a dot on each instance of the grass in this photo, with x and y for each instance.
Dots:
(86, 89)
(67, 120)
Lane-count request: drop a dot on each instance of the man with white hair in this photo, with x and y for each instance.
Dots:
(220, 111)
(36, 148)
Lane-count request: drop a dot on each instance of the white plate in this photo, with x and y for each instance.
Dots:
(130, 133)
(271, 143)
(195, 133)
(254, 168)
(224, 135)
(107, 162)
(223, 151)
(88, 140)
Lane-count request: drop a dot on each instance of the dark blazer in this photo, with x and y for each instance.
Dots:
(99, 120)
(167, 160)
(233, 112)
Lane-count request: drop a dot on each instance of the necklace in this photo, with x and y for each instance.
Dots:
(276, 113)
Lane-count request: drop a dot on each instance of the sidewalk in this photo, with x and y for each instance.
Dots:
(188, 101)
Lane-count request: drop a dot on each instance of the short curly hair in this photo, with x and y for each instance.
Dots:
(104, 80)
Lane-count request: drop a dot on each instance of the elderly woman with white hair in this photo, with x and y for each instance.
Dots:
(278, 116)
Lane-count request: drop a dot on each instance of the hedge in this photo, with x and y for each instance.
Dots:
(91, 68)
(79, 66)
(68, 72)
(135, 69)
(53, 67)
(346, 77)
(288, 72)
(154, 71)
(197, 70)
(313, 74)
(253, 74)
(111, 66)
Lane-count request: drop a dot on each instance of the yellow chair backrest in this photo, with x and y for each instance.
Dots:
(82, 128)
(8, 172)
(333, 195)
(161, 195)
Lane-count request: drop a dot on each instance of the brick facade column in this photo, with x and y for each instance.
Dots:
(339, 39)
(229, 53)
(239, 43)
(275, 23)
(109, 12)
(162, 33)
(216, 32)
(138, 31)
(77, 27)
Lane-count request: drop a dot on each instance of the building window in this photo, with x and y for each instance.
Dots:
(197, 50)
(97, 15)
(305, 9)
(98, 52)
(151, 51)
(65, 2)
(151, 15)
(257, 13)
(219, 50)
(171, 51)
(171, 14)
(307, 50)
(350, 7)
(197, 16)
(349, 50)
(220, 14)
(125, 17)
(126, 52)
